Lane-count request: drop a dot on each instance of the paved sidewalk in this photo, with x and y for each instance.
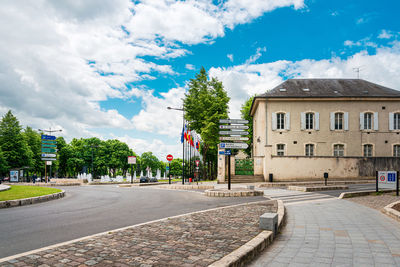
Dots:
(334, 232)
(196, 239)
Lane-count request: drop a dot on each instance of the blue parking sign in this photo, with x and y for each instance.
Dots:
(391, 177)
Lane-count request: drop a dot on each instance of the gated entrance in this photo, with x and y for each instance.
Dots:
(244, 167)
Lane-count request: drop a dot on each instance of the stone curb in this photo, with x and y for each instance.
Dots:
(122, 229)
(4, 187)
(124, 184)
(254, 247)
(316, 183)
(316, 188)
(187, 187)
(31, 200)
(51, 184)
(362, 193)
(228, 193)
(390, 211)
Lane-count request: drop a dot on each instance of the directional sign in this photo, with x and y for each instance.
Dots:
(234, 132)
(242, 127)
(233, 138)
(131, 160)
(228, 152)
(49, 142)
(49, 145)
(167, 167)
(49, 159)
(48, 137)
(234, 121)
(49, 150)
(49, 155)
(234, 145)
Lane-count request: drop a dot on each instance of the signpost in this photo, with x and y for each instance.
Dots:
(131, 161)
(387, 180)
(235, 129)
(169, 158)
(49, 147)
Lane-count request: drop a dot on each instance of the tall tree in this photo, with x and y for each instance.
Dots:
(205, 104)
(13, 144)
(34, 142)
(149, 160)
(245, 110)
(3, 164)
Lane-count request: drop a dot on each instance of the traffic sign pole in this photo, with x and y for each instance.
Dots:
(397, 184)
(376, 177)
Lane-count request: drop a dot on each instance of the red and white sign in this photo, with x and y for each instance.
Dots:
(170, 157)
(131, 160)
(197, 163)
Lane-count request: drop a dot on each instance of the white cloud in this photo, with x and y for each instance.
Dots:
(384, 34)
(230, 56)
(190, 67)
(243, 81)
(256, 56)
(365, 42)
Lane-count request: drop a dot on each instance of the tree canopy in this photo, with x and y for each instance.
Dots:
(245, 110)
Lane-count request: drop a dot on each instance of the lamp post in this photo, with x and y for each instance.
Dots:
(50, 131)
(183, 144)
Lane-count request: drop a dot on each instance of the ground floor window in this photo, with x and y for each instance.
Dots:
(368, 150)
(309, 150)
(280, 149)
(338, 150)
(396, 151)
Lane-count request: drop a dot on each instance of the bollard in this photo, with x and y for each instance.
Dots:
(326, 178)
(269, 221)
(271, 177)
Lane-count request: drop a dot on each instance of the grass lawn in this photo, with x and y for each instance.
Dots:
(26, 191)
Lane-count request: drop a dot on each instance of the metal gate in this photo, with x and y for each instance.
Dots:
(244, 167)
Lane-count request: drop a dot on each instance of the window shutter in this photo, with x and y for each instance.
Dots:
(332, 121)
(287, 120)
(376, 121)
(317, 121)
(303, 121)
(274, 121)
(361, 121)
(391, 121)
(346, 121)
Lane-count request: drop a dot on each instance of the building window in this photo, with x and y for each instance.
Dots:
(368, 150)
(396, 151)
(309, 150)
(280, 121)
(396, 121)
(280, 149)
(368, 121)
(338, 150)
(309, 121)
(338, 121)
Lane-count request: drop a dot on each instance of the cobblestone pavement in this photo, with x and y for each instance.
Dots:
(334, 232)
(376, 202)
(196, 239)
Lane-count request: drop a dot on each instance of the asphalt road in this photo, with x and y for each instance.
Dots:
(88, 210)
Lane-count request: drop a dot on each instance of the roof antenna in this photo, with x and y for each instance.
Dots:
(358, 69)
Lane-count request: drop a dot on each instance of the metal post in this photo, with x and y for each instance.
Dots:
(229, 172)
(50, 172)
(131, 173)
(397, 184)
(92, 162)
(169, 172)
(45, 171)
(376, 178)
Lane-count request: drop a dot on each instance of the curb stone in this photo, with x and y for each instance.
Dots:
(251, 249)
(31, 200)
(316, 188)
(4, 187)
(390, 211)
(362, 193)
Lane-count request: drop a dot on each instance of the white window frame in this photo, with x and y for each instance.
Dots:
(396, 121)
(371, 152)
(367, 124)
(367, 121)
(396, 150)
(337, 121)
(307, 150)
(334, 151)
(310, 121)
(282, 150)
(280, 122)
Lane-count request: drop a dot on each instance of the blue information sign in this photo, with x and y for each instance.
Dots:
(228, 152)
(48, 137)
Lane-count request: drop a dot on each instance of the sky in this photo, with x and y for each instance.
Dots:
(110, 68)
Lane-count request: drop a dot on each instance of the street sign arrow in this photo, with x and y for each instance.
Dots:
(49, 150)
(49, 155)
(49, 159)
(233, 132)
(48, 137)
(234, 145)
(242, 127)
(233, 138)
(48, 146)
(49, 142)
(234, 121)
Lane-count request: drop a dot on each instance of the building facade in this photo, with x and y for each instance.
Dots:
(305, 127)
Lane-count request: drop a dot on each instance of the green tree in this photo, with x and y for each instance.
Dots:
(245, 111)
(34, 142)
(176, 167)
(3, 164)
(13, 144)
(205, 104)
(149, 160)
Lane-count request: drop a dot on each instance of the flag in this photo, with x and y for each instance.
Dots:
(183, 131)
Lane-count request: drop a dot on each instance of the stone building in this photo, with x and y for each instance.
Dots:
(346, 127)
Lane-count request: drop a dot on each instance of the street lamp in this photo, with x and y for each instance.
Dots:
(183, 144)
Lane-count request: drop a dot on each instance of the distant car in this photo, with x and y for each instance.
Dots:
(144, 179)
(153, 180)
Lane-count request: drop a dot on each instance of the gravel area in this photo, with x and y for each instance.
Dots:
(376, 201)
(196, 239)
